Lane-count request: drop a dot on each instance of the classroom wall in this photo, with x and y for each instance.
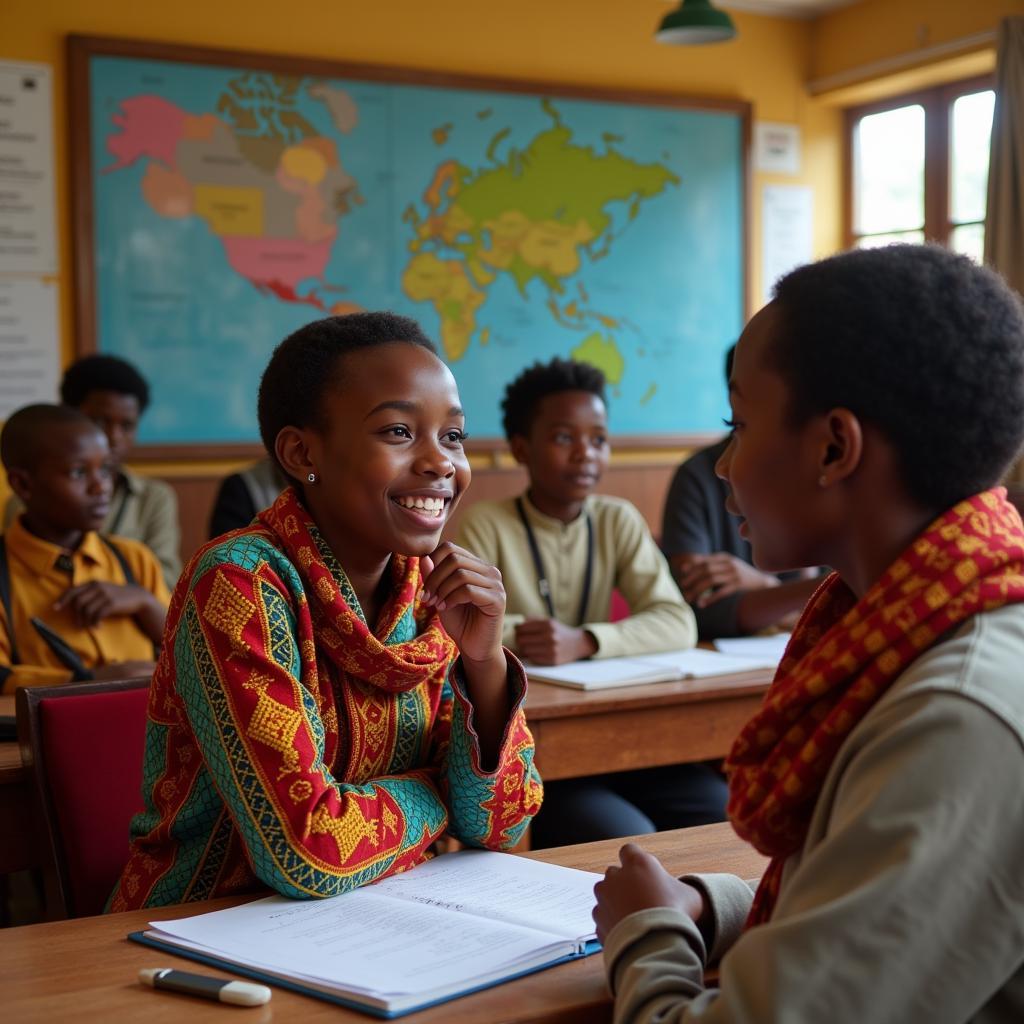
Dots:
(607, 43)
(877, 30)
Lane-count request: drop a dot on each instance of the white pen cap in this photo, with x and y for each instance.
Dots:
(244, 993)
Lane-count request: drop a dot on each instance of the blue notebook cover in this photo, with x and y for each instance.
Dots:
(295, 986)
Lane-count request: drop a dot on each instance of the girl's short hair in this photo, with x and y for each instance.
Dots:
(920, 342)
(308, 363)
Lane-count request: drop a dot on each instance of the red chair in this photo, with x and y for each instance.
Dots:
(619, 608)
(83, 743)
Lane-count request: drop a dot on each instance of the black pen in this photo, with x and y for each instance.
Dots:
(241, 993)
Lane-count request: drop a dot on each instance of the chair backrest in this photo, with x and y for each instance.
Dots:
(619, 608)
(84, 744)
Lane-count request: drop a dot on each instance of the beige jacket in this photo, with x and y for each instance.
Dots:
(906, 903)
(625, 558)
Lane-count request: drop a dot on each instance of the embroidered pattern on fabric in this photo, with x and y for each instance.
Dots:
(210, 697)
(205, 880)
(348, 831)
(276, 725)
(229, 611)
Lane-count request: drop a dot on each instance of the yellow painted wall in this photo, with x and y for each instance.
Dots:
(605, 43)
(875, 30)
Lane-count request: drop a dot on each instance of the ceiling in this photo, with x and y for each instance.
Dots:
(787, 8)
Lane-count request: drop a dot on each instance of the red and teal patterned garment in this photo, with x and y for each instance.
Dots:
(289, 745)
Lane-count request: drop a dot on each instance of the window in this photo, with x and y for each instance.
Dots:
(918, 168)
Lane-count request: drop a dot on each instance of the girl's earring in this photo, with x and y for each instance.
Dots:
(822, 480)
(312, 478)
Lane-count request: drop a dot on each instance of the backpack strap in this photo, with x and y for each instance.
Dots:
(5, 600)
(129, 576)
(62, 651)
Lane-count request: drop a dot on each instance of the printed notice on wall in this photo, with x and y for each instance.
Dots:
(777, 147)
(787, 221)
(29, 348)
(27, 218)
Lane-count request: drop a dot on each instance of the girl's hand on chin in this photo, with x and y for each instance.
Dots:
(470, 598)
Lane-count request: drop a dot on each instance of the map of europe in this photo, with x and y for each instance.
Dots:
(231, 206)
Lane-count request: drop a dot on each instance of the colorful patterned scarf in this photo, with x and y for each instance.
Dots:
(844, 655)
(346, 639)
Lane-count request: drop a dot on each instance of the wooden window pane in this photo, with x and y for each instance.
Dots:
(889, 171)
(970, 138)
(968, 239)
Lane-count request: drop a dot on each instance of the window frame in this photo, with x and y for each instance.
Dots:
(938, 111)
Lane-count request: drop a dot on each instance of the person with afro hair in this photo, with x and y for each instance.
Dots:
(876, 403)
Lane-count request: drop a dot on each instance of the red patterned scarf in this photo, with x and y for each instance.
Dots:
(345, 638)
(844, 655)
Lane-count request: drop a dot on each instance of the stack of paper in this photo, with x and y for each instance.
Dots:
(602, 673)
(756, 647)
(456, 924)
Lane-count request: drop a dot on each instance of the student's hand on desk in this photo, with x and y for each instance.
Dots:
(550, 642)
(92, 602)
(640, 883)
(705, 579)
(470, 597)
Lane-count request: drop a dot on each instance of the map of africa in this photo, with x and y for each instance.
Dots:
(231, 206)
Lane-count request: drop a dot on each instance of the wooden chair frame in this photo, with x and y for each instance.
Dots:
(46, 833)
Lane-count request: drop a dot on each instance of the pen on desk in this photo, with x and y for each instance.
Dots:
(241, 993)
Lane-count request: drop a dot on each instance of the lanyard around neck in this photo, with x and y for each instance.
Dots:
(543, 585)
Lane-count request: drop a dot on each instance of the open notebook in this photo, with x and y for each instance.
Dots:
(604, 673)
(458, 923)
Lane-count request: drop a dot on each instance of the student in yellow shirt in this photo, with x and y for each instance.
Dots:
(75, 604)
(114, 395)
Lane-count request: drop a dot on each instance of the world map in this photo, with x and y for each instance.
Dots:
(234, 205)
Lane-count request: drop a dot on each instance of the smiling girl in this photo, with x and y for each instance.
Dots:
(333, 694)
(876, 402)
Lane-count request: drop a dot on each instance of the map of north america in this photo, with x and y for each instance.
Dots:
(275, 191)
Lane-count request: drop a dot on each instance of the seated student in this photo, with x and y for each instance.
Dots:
(114, 395)
(711, 561)
(74, 604)
(561, 550)
(333, 694)
(877, 400)
(241, 495)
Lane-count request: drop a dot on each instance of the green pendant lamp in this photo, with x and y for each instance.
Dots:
(695, 22)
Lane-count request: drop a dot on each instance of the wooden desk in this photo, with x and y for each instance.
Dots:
(85, 970)
(15, 852)
(580, 733)
(577, 733)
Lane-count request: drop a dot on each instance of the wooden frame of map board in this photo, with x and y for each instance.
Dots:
(90, 265)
